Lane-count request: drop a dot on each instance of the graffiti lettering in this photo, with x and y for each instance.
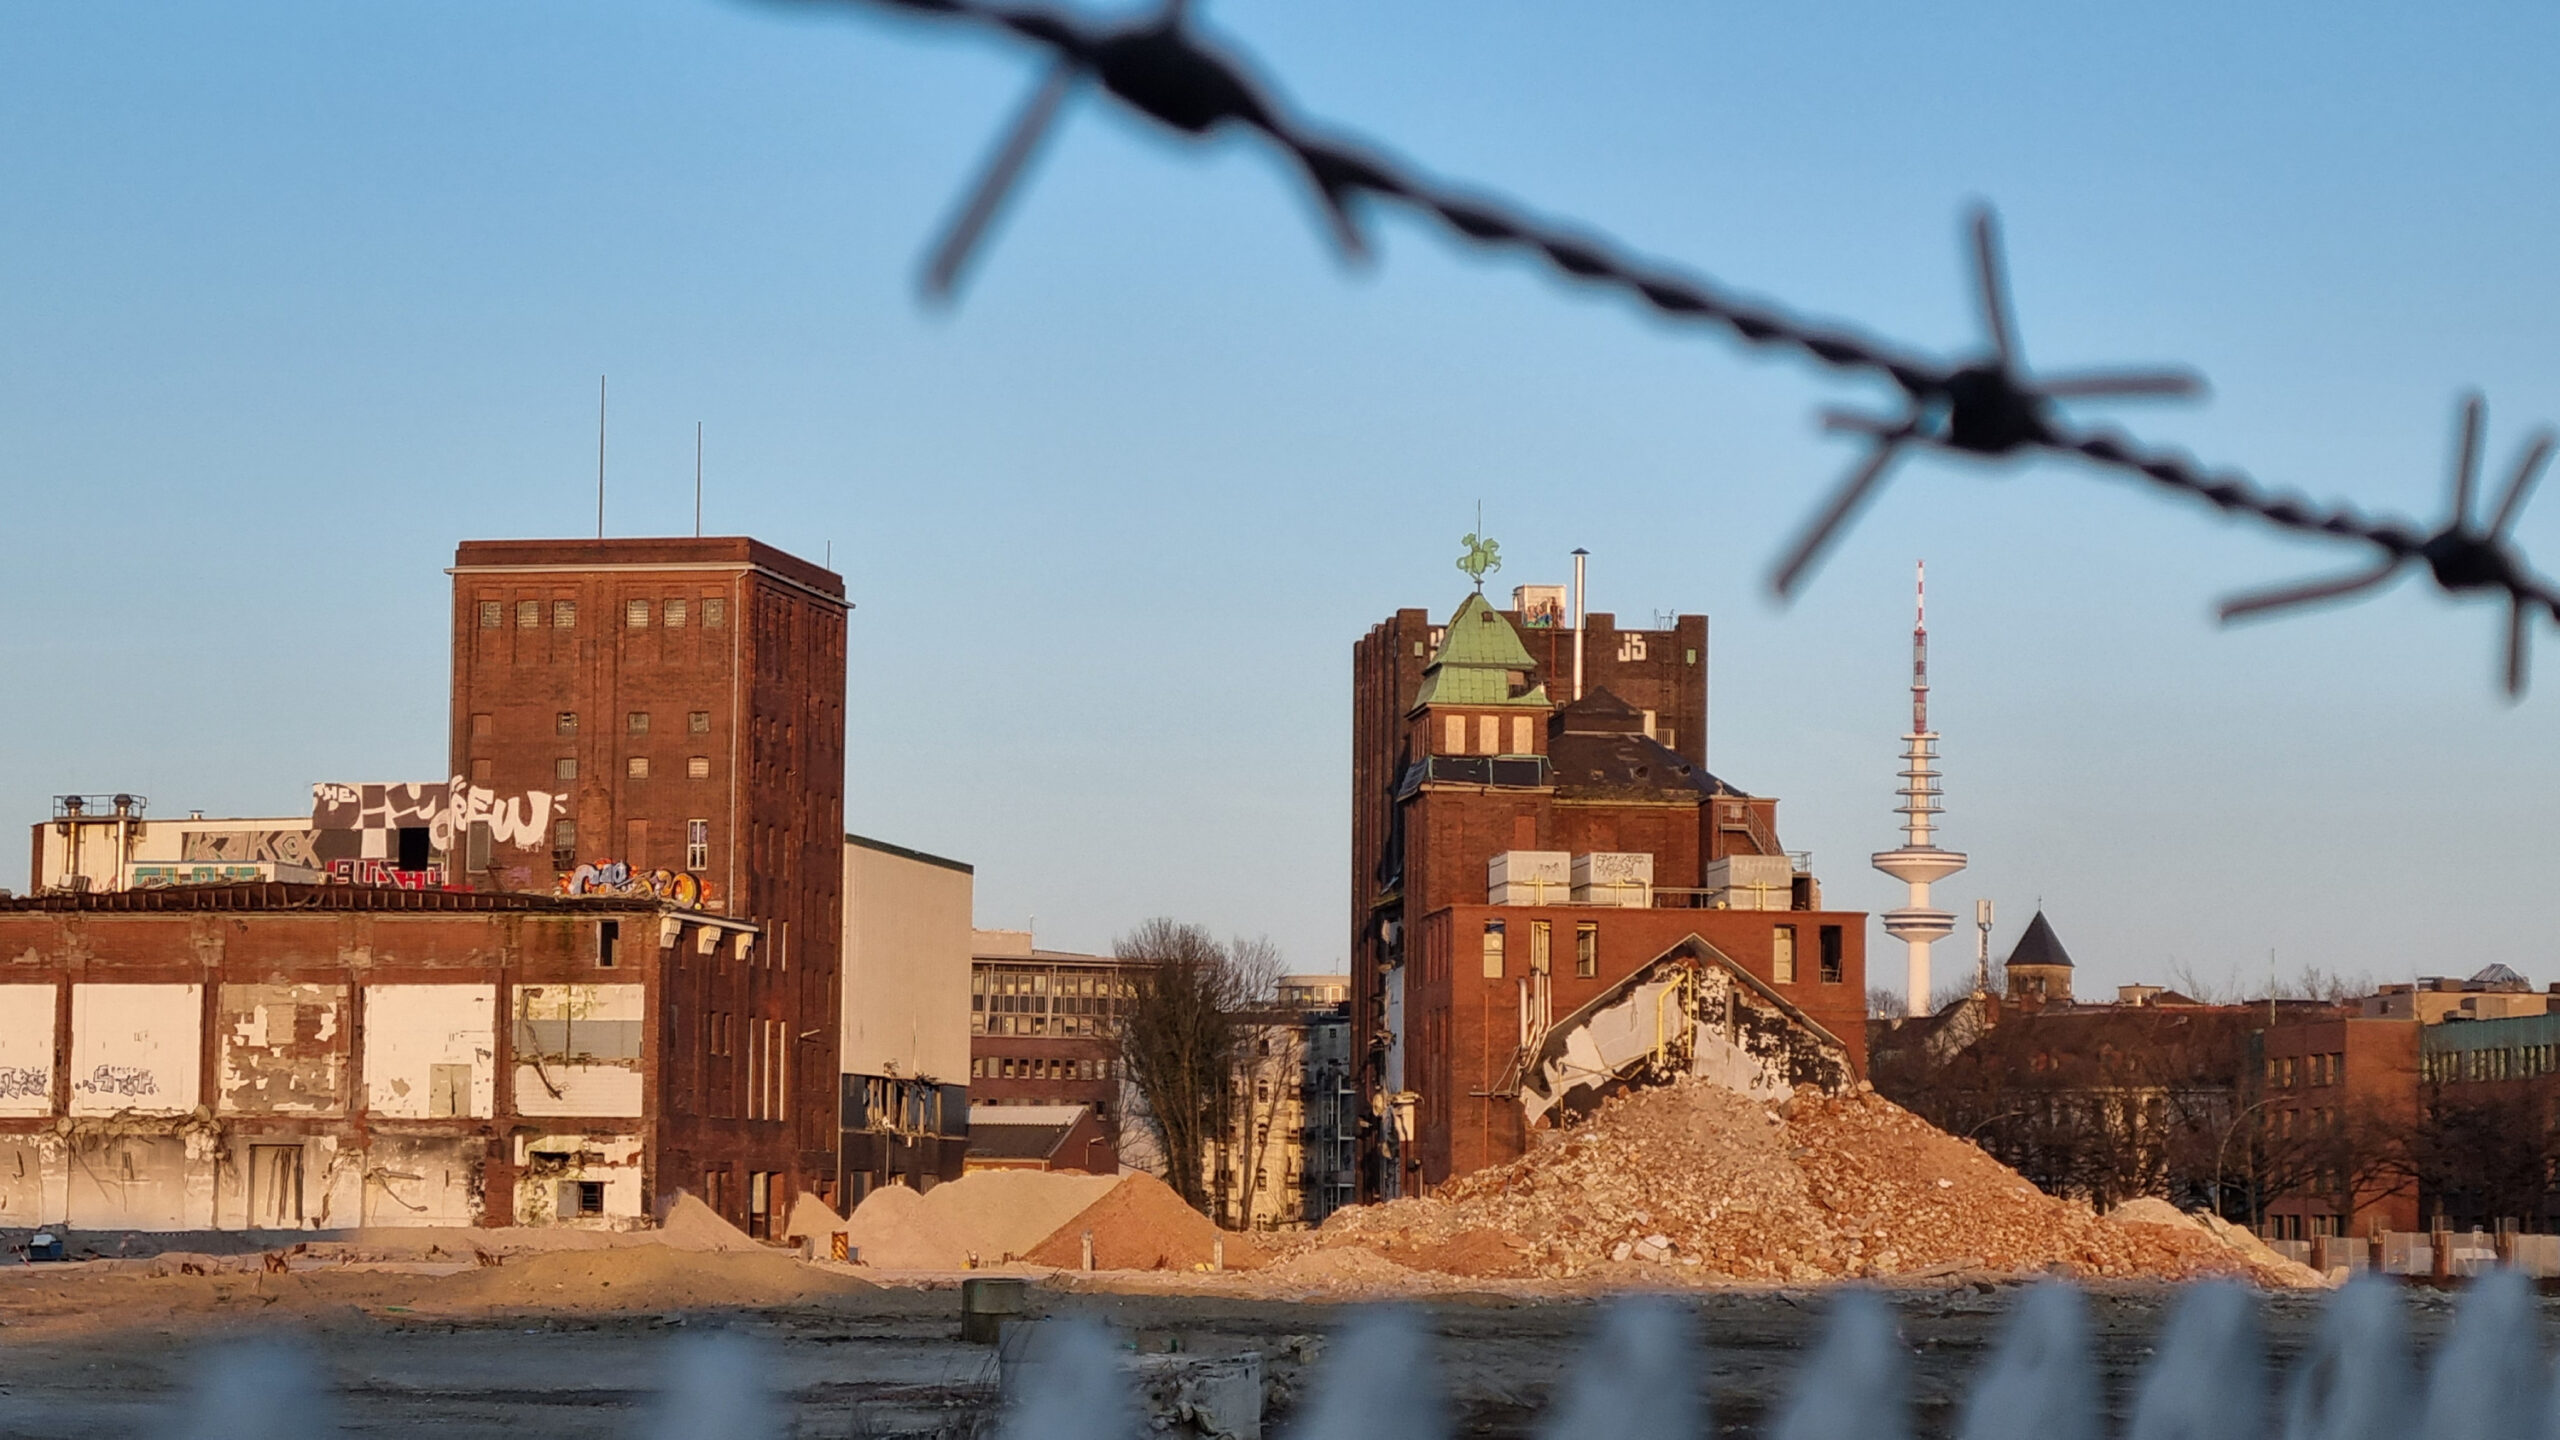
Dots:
(446, 812)
(25, 1082)
(612, 877)
(118, 1080)
(279, 847)
(384, 872)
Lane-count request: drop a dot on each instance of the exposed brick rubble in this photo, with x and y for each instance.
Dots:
(1696, 1181)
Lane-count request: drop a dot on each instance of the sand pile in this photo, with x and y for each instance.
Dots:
(1693, 1179)
(1142, 1225)
(635, 1278)
(896, 1229)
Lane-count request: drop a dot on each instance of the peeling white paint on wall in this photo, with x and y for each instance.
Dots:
(26, 1055)
(283, 1049)
(430, 1052)
(136, 1048)
(424, 1179)
(32, 1177)
(553, 1168)
(577, 1049)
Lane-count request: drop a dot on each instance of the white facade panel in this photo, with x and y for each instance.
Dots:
(578, 1049)
(430, 1051)
(907, 946)
(136, 1047)
(26, 1050)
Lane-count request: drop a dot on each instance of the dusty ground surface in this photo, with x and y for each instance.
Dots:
(565, 1346)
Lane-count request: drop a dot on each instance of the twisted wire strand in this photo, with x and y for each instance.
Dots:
(1163, 69)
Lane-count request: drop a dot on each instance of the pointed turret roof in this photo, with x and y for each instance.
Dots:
(2039, 946)
(1479, 653)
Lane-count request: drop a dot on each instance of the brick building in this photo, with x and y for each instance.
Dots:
(679, 704)
(292, 1056)
(1470, 755)
(1042, 1026)
(2341, 1102)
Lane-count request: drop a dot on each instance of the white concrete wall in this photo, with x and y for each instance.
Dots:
(548, 1163)
(137, 1048)
(423, 1180)
(907, 945)
(587, 1038)
(409, 1030)
(26, 1053)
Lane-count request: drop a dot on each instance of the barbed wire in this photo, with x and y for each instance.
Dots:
(1988, 408)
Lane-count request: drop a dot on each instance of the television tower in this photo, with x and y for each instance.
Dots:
(1919, 863)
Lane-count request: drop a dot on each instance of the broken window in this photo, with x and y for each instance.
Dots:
(715, 612)
(566, 723)
(493, 615)
(1831, 951)
(1493, 937)
(1541, 946)
(1586, 949)
(697, 722)
(582, 1197)
(608, 939)
(564, 844)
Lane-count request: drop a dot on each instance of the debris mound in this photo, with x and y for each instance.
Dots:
(2261, 1256)
(692, 1225)
(1695, 1180)
(638, 1277)
(1142, 1225)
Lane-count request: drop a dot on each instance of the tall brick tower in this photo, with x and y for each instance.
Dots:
(684, 701)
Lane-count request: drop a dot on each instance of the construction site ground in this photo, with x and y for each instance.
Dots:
(541, 1343)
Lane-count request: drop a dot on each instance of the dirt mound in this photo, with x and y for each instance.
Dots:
(893, 1228)
(1142, 1225)
(1694, 1179)
(2149, 1211)
(691, 1225)
(639, 1277)
(1004, 1214)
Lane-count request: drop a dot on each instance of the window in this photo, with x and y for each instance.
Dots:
(635, 614)
(674, 612)
(697, 767)
(564, 614)
(697, 722)
(637, 767)
(564, 844)
(715, 612)
(636, 723)
(1541, 946)
(1523, 735)
(493, 615)
(528, 614)
(1493, 938)
(566, 723)
(1586, 949)
(1832, 946)
(1453, 734)
(475, 846)
(565, 768)
(1782, 955)
(608, 939)
(1488, 734)
(697, 844)
(585, 1197)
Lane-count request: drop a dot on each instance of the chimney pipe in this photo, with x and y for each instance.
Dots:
(1579, 555)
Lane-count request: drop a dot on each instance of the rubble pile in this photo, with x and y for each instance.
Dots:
(1141, 1224)
(1693, 1180)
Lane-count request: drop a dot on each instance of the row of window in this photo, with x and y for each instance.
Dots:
(634, 722)
(1055, 1068)
(1067, 1027)
(697, 846)
(2508, 1063)
(675, 612)
(767, 1046)
(2285, 1071)
(1586, 950)
(634, 767)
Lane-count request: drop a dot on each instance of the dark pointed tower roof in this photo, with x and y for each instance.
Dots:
(2039, 946)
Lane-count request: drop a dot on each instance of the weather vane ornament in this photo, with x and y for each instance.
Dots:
(1483, 557)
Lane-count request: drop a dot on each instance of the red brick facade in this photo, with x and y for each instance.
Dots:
(2336, 1092)
(685, 698)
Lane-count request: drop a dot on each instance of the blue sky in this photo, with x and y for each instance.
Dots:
(293, 297)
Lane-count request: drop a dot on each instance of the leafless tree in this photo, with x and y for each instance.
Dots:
(1182, 1038)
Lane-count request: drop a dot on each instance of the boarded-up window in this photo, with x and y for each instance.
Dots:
(1523, 738)
(1493, 938)
(675, 612)
(528, 614)
(1782, 955)
(715, 612)
(1488, 734)
(635, 613)
(1453, 734)
(1541, 944)
(564, 614)
(697, 767)
(448, 1091)
(493, 614)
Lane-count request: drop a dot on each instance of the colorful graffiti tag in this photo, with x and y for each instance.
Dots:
(384, 872)
(612, 877)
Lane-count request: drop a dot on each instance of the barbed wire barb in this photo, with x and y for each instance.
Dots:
(1163, 70)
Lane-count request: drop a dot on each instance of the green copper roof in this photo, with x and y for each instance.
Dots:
(1478, 655)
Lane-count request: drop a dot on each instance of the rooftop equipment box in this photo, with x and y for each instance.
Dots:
(1528, 877)
(1753, 882)
(1611, 877)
